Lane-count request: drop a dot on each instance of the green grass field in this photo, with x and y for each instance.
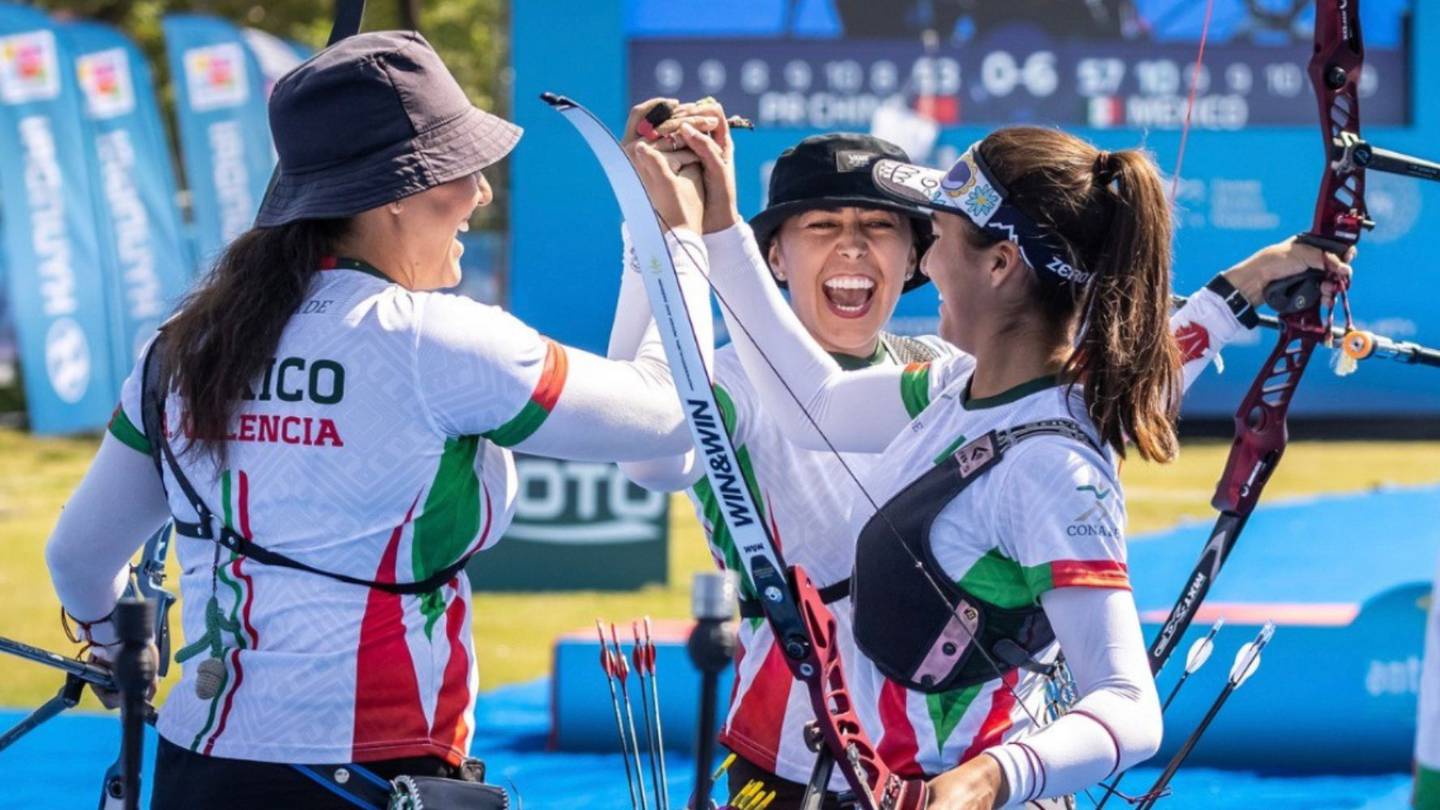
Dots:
(513, 632)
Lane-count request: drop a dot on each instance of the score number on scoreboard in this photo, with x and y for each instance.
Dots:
(839, 84)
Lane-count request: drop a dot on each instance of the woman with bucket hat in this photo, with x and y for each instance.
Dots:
(835, 240)
(846, 251)
(333, 436)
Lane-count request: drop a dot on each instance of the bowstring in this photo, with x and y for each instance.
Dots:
(1190, 101)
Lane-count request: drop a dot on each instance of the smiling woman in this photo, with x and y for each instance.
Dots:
(332, 435)
(844, 268)
(844, 252)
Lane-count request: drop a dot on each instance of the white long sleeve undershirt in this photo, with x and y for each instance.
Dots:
(677, 471)
(118, 504)
(626, 408)
(1115, 725)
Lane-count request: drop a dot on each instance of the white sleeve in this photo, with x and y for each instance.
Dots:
(117, 506)
(736, 400)
(634, 326)
(481, 371)
(1115, 724)
(632, 308)
(1203, 326)
(859, 411)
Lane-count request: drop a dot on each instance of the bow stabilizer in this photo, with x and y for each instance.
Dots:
(1340, 218)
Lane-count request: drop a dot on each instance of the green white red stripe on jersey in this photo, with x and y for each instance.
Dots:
(953, 724)
(915, 388)
(235, 499)
(391, 716)
(759, 698)
(1002, 581)
(454, 521)
(123, 429)
(542, 400)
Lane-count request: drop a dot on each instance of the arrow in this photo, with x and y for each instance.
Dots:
(1247, 660)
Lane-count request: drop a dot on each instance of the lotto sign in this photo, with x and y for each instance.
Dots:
(28, 68)
(578, 526)
(215, 76)
(105, 79)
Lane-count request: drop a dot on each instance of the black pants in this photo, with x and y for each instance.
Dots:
(788, 795)
(186, 781)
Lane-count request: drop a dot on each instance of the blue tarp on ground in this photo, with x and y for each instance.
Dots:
(1311, 553)
(59, 766)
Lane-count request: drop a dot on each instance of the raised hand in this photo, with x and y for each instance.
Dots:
(677, 196)
(716, 151)
(665, 136)
(681, 164)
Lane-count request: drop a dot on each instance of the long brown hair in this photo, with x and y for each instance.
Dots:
(229, 326)
(1110, 210)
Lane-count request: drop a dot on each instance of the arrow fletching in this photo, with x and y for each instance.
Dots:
(1200, 651)
(1247, 659)
(622, 664)
(637, 650)
(604, 650)
(649, 646)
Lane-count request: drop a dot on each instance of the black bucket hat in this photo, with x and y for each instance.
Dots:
(369, 120)
(834, 171)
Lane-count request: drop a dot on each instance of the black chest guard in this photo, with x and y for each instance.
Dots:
(918, 637)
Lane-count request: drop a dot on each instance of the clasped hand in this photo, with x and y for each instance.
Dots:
(688, 169)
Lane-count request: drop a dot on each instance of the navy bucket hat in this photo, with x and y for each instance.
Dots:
(369, 120)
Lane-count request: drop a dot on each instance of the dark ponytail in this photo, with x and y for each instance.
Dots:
(227, 329)
(1111, 211)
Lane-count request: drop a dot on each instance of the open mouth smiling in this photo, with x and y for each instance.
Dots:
(849, 296)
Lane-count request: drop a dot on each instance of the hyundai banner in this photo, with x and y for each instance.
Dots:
(224, 132)
(52, 253)
(139, 223)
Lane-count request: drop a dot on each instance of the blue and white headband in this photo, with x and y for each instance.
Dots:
(970, 190)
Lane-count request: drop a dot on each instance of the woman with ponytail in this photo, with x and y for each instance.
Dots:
(991, 537)
(333, 436)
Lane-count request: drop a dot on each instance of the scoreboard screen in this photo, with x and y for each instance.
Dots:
(830, 64)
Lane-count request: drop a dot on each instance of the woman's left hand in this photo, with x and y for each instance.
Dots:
(1283, 260)
(977, 785)
(716, 151)
(678, 196)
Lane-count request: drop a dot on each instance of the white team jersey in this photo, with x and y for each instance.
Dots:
(1049, 515)
(807, 497)
(372, 446)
